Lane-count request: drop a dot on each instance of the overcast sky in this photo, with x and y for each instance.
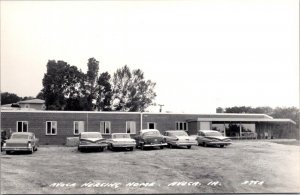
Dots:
(202, 54)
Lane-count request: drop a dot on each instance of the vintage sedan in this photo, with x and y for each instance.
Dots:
(179, 138)
(21, 141)
(150, 138)
(91, 140)
(121, 140)
(212, 138)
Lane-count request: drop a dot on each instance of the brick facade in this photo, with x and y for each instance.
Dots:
(65, 122)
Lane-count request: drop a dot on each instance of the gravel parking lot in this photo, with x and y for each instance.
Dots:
(243, 167)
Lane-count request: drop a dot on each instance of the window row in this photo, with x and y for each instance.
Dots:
(78, 127)
(105, 127)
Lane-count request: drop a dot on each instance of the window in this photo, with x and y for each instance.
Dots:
(22, 126)
(151, 125)
(131, 127)
(181, 126)
(105, 127)
(78, 127)
(51, 127)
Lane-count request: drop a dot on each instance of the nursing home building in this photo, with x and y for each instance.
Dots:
(53, 127)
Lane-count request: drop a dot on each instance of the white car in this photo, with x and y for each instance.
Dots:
(179, 138)
(121, 140)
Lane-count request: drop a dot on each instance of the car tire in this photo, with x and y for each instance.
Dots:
(204, 144)
(189, 147)
(8, 152)
(131, 149)
(35, 148)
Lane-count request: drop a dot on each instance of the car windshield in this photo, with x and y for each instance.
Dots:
(19, 136)
(151, 133)
(125, 135)
(91, 135)
(213, 134)
(179, 133)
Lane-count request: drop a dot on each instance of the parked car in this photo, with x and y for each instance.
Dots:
(121, 140)
(91, 140)
(21, 141)
(3, 137)
(150, 138)
(212, 138)
(179, 138)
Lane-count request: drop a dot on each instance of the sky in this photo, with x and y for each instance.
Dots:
(202, 54)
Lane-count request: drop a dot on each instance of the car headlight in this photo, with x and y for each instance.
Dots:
(29, 144)
(4, 144)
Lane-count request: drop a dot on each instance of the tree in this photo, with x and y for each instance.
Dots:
(91, 82)
(104, 92)
(9, 98)
(131, 92)
(61, 82)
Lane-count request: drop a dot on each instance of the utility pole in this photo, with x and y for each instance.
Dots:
(160, 107)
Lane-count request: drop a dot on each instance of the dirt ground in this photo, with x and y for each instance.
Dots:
(243, 167)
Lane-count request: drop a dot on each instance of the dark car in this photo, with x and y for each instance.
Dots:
(150, 138)
(91, 140)
(21, 141)
(212, 138)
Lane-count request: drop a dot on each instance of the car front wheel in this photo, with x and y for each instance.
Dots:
(189, 147)
(204, 144)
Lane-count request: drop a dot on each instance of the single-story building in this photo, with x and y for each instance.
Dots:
(36, 104)
(53, 127)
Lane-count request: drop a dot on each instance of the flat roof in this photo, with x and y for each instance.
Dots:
(244, 120)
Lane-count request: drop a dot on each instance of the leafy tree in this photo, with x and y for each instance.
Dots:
(9, 98)
(40, 95)
(61, 82)
(104, 92)
(131, 92)
(286, 112)
(91, 82)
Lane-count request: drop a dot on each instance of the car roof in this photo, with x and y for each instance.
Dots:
(91, 132)
(23, 133)
(207, 131)
(175, 131)
(148, 130)
(119, 133)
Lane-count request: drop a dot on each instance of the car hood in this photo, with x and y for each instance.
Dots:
(17, 141)
(217, 137)
(92, 139)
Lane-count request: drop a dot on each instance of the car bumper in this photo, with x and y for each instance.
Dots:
(86, 146)
(219, 143)
(123, 145)
(155, 145)
(184, 143)
(16, 149)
